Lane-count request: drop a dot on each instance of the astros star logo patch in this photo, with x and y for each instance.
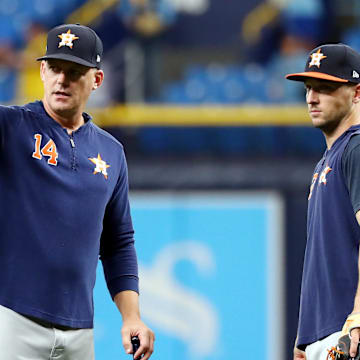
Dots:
(67, 39)
(101, 166)
(322, 179)
(316, 58)
(316, 175)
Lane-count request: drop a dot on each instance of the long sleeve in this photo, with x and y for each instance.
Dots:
(117, 250)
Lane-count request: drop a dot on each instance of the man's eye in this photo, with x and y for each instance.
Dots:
(326, 89)
(76, 73)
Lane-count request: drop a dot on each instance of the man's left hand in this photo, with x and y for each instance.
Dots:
(146, 336)
(355, 337)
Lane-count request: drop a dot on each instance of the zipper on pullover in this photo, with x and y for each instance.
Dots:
(73, 159)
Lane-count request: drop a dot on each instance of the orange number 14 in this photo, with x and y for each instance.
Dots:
(48, 150)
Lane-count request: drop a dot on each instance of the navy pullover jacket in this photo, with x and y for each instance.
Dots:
(63, 202)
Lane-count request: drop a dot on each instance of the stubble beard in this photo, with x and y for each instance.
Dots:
(327, 126)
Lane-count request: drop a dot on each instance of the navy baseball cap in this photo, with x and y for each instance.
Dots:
(76, 43)
(334, 62)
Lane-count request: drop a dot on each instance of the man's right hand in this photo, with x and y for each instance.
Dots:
(298, 354)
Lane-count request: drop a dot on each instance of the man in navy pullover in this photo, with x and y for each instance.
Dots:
(330, 291)
(64, 203)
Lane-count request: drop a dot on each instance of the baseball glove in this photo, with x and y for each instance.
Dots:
(341, 351)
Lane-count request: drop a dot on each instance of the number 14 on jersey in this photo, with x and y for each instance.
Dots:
(48, 150)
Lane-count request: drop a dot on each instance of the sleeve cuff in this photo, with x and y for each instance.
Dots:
(122, 283)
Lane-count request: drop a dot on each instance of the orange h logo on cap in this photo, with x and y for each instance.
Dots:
(67, 39)
(316, 58)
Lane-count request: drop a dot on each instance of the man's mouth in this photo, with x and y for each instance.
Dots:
(61, 93)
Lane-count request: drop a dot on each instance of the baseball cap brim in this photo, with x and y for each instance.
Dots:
(66, 57)
(313, 74)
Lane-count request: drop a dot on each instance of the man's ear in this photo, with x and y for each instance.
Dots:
(98, 79)
(356, 99)
(42, 69)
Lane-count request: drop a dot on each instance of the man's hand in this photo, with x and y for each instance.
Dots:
(355, 337)
(137, 328)
(298, 354)
(128, 304)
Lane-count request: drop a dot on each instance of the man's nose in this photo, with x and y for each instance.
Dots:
(312, 96)
(62, 78)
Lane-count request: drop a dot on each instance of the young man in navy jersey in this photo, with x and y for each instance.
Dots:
(330, 292)
(64, 203)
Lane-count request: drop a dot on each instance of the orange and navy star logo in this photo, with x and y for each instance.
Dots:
(316, 58)
(101, 166)
(316, 175)
(67, 39)
(322, 179)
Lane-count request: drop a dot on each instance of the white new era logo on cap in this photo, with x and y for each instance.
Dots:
(355, 74)
(98, 60)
